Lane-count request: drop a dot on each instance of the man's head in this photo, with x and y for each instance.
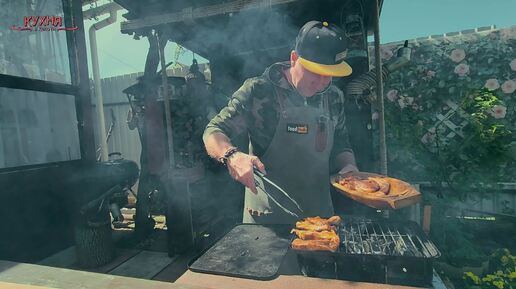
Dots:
(318, 56)
(195, 66)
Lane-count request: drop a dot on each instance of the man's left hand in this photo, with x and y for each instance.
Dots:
(348, 169)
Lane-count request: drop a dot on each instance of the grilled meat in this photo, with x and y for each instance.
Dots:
(318, 223)
(315, 245)
(317, 234)
(314, 235)
(369, 185)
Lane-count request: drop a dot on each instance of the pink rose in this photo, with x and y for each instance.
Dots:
(509, 86)
(498, 111)
(462, 69)
(392, 95)
(513, 64)
(457, 55)
(492, 84)
(386, 53)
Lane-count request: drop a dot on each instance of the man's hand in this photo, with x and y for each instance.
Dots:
(348, 169)
(241, 168)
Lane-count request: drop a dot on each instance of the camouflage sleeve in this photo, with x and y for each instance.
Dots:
(341, 138)
(233, 119)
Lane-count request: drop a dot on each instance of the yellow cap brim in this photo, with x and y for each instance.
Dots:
(336, 70)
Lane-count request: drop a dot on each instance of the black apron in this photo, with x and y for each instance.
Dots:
(298, 161)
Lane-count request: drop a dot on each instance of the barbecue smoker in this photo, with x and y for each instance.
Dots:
(376, 251)
(379, 251)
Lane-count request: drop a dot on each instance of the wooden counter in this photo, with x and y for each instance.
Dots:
(37, 276)
(282, 282)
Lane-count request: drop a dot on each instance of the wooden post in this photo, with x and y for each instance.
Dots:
(427, 215)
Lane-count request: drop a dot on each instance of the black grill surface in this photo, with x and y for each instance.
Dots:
(379, 251)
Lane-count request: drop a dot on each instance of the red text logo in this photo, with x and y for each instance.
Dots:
(43, 23)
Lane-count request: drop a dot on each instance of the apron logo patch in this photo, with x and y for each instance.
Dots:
(297, 128)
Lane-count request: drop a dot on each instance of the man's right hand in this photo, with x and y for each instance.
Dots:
(241, 166)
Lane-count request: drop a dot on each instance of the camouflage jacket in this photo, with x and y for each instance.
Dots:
(254, 110)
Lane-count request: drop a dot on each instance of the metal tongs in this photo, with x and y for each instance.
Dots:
(274, 196)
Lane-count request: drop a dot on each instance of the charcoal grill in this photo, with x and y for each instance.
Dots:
(378, 251)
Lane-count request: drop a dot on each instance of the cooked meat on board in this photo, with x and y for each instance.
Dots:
(369, 185)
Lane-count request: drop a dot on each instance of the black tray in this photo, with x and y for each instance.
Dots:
(250, 251)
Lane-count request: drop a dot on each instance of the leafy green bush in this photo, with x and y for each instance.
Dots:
(501, 273)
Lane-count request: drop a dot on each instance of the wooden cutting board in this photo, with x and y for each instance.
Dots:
(401, 194)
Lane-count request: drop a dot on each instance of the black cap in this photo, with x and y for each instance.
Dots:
(322, 47)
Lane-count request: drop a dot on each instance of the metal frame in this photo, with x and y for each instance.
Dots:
(79, 87)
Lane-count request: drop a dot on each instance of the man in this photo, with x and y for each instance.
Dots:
(295, 121)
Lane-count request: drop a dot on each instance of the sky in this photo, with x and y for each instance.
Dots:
(400, 19)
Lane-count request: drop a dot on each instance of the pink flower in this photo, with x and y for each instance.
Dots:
(409, 100)
(457, 55)
(492, 84)
(430, 73)
(462, 69)
(392, 95)
(375, 116)
(386, 53)
(498, 111)
(513, 64)
(509, 86)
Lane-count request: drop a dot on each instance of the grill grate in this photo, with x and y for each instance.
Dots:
(367, 237)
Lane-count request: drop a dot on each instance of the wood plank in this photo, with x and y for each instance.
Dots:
(5, 285)
(175, 269)
(67, 259)
(145, 265)
(283, 281)
(427, 216)
(37, 275)
(62, 259)
(121, 256)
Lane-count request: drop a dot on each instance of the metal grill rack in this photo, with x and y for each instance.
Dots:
(362, 236)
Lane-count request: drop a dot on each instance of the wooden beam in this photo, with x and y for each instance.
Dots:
(190, 13)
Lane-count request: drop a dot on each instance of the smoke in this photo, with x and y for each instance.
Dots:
(244, 43)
